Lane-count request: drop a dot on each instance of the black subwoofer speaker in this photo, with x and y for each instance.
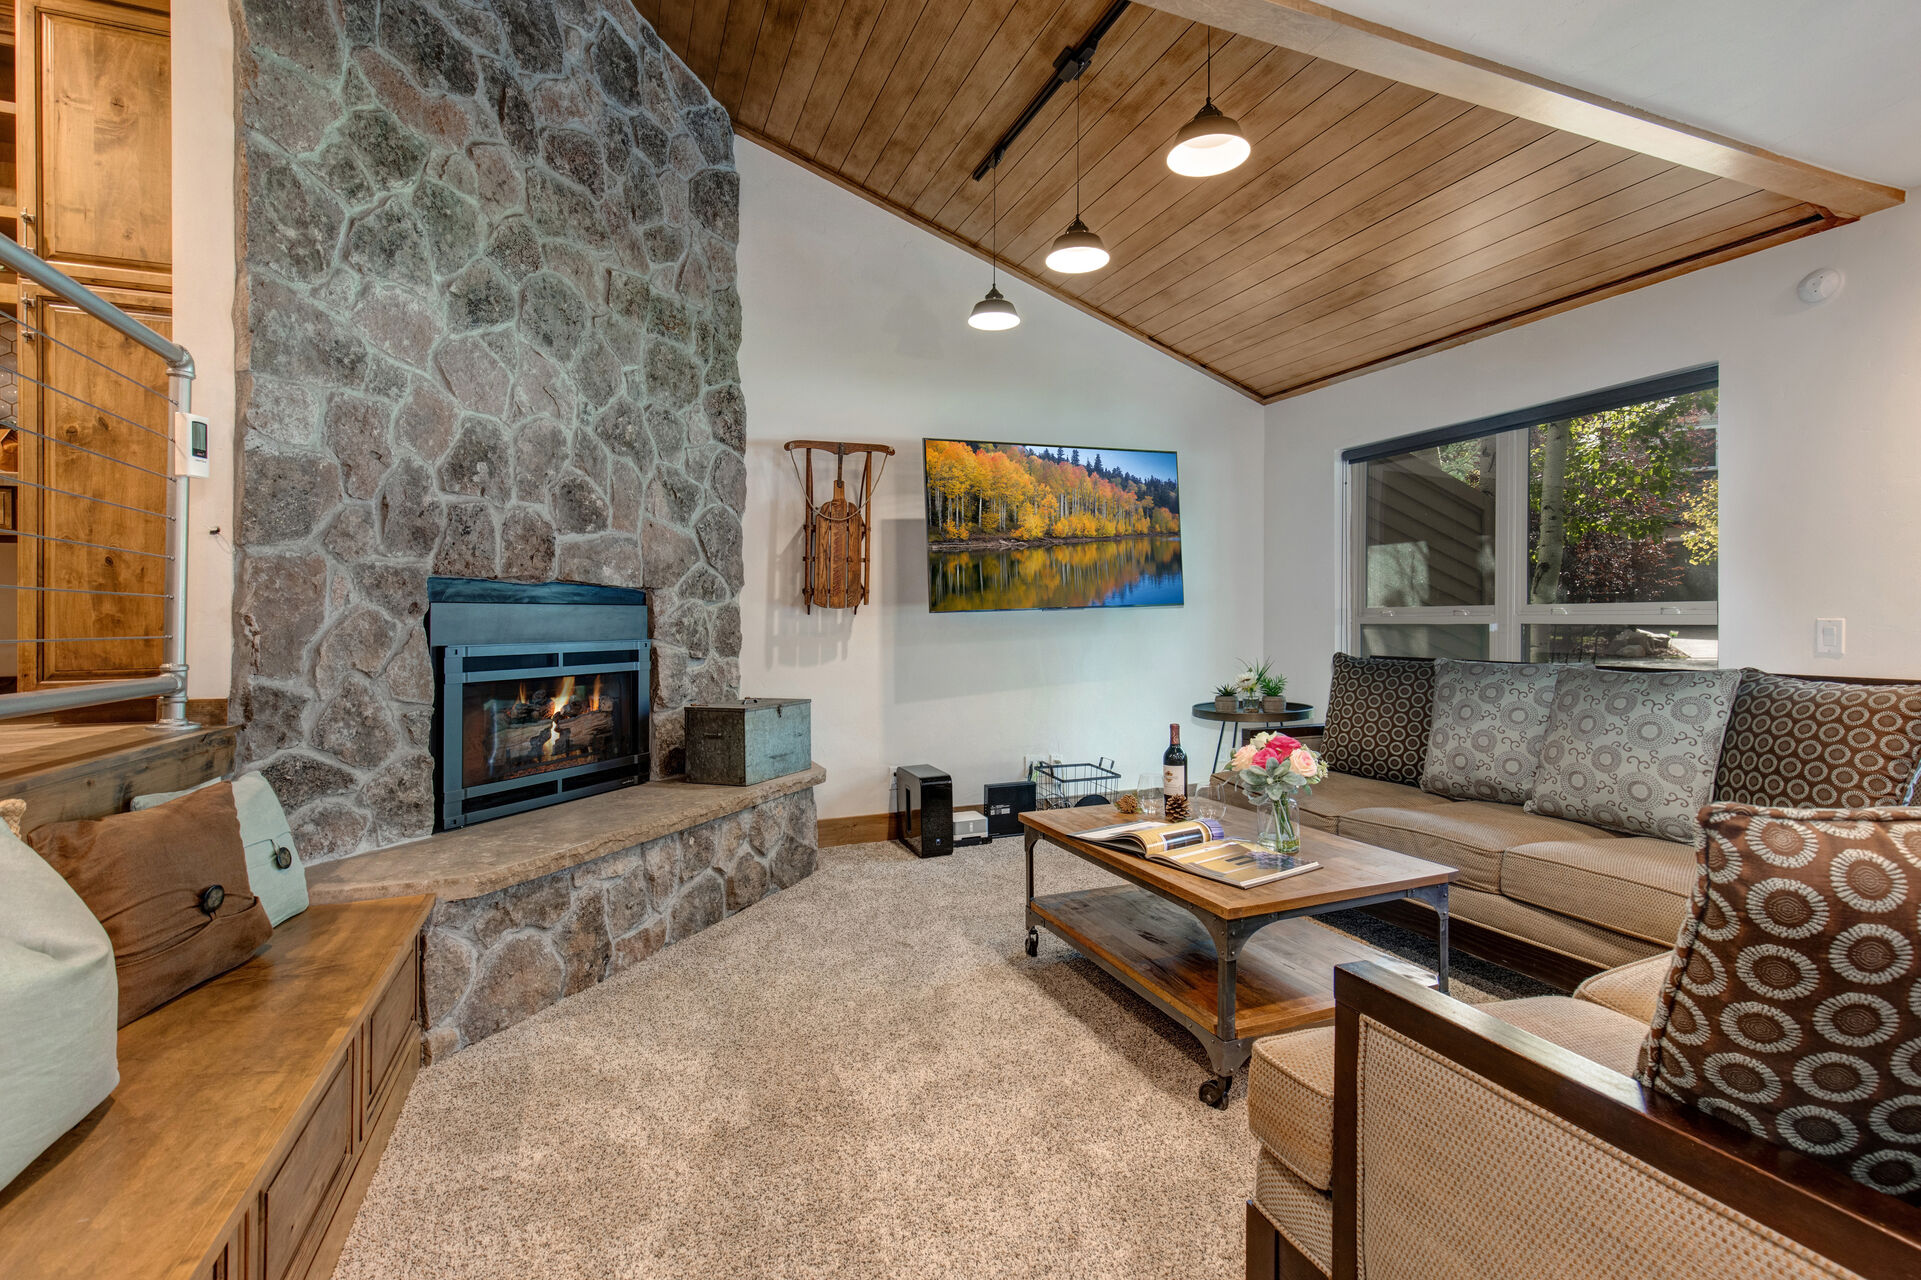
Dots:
(925, 805)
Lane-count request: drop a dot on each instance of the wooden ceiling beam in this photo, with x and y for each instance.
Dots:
(1368, 46)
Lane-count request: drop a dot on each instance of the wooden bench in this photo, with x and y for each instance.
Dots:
(250, 1116)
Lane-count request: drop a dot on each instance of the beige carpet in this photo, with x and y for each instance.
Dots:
(862, 1076)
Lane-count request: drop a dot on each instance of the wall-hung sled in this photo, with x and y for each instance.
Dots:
(838, 548)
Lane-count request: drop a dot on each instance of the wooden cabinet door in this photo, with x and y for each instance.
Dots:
(96, 149)
(95, 446)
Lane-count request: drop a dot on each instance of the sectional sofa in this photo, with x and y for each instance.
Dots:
(1441, 760)
(1391, 1143)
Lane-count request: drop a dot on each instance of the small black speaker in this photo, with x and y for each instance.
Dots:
(1004, 803)
(925, 804)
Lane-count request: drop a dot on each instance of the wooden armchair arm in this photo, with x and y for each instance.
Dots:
(1807, 1202)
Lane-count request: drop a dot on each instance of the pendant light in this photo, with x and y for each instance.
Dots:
(994, 311)
(1210, 143)
(1078, 249)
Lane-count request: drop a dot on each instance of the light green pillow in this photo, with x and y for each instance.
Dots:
(59, 1008)
(274, 872)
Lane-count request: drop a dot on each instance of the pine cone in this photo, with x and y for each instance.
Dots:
(1176, 808)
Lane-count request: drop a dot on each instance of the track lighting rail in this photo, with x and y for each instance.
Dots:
(1069, 65)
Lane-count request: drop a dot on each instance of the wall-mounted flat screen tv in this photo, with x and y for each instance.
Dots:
(1028, 526)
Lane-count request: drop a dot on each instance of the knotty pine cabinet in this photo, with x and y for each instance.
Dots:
(92, 172)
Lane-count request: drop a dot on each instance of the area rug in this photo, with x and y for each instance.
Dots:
(861, 1076)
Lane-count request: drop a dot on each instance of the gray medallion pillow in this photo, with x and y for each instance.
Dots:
(1633, 751)
(1377, 718)
(1489, 719)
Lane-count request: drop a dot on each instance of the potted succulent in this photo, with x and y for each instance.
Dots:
(1260, 689)
(1226, 698)
(1273, 692)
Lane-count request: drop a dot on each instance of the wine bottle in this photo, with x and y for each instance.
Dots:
(1174, 766)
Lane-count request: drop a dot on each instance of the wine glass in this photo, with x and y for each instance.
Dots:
(1211, 802)
(1148, 789)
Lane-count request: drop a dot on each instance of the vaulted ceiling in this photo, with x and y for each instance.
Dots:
(1375, 220)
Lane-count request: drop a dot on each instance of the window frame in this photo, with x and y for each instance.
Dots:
(1511, 611)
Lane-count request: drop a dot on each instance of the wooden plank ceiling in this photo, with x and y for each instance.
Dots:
(1374, 221)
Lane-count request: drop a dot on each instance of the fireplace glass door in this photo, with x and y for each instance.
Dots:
(531, 725)
(522, 727)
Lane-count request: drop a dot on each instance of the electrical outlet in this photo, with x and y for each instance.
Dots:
(1830, 637)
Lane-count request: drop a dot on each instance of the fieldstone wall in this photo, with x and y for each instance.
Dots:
(488, 329)
(495, 960)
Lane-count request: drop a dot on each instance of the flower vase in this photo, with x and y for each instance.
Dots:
(1280, 827)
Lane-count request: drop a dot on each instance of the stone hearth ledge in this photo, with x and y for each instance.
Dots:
(491, 856)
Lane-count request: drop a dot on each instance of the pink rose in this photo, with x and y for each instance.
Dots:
(1302, 761)
(1285, 744)
(1268, 755)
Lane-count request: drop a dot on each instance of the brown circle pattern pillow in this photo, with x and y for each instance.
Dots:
(1814, 744)
(1792, 1009)
(1377, 718)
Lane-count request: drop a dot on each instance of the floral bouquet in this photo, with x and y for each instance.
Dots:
(1274, 770)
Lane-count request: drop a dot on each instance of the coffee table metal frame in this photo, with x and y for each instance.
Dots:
(1226, 1052)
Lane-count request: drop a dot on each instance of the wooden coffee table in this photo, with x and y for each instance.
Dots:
(1231, 965)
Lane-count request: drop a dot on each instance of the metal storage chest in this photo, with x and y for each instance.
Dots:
(738, 744)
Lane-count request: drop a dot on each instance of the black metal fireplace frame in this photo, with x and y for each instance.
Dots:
(483, 632)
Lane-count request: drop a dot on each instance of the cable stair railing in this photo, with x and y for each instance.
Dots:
(113, 500)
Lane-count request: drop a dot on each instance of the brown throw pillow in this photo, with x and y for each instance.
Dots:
(1791, 1008)
(170, 885)
(1378, 714)
(1798, 743)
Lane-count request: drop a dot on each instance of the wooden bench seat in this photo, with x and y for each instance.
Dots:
(250, 1116)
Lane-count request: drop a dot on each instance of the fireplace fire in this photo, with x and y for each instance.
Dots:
(527, 718)
(540, 725)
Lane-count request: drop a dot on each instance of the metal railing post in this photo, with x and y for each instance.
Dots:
(173, 707)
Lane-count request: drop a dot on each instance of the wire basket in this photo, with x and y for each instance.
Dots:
(1068, 786)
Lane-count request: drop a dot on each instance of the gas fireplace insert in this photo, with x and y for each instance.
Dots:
(542, 694)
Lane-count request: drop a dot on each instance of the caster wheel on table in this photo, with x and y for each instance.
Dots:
(1214, 1091)
(1033, 942)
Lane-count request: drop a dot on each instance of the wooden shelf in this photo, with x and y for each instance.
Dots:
(1285, 977)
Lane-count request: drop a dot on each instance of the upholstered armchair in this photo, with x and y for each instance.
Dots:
(1425, 1138)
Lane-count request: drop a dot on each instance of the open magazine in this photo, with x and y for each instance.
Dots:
(1201, 847)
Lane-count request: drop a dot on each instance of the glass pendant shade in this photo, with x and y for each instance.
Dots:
(1208, 144)
(1077, 250)
(994, 312)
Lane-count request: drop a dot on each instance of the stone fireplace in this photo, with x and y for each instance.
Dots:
(489, 331)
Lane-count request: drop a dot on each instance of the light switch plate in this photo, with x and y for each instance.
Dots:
(1830, 637)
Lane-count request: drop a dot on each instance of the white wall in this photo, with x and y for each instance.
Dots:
(204, 245)
(1820, 444)
(856, 330)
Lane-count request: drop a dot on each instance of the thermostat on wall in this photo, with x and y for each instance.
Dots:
(190, 446)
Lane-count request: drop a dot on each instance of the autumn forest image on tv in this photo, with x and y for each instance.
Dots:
(1013, 526)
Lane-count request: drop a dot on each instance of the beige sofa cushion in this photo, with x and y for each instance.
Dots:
(1600, 947)
(1632, 989)
(1290, 1101)
(1290, 1079)
(1343, 793)
(1594, 1031)
(1304, 1215)
(1638, 886)
(1468, 834)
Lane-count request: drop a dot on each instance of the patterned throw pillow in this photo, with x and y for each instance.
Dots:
(1633, 750)
(1812, 743)
(1489, 719)
(1377, 718)
(1792, 1007)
